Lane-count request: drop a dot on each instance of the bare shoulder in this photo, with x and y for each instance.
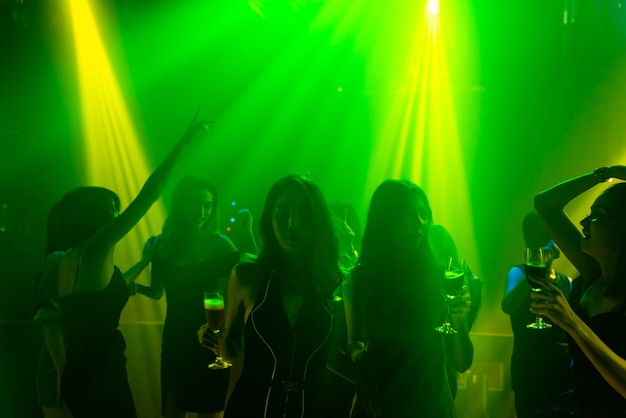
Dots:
(225, 242)
(247, 274)
(243, 286)
(515, 272)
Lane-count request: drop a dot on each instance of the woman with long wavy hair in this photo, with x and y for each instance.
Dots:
(278, 313)
(188, 258)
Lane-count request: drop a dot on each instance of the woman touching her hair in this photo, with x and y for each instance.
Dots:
(596, 319)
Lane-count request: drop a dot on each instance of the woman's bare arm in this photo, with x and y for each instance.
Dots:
(550, 205)
(96, 255)
(156, 288)
(516, 291)
(555, 306)
(356, 341)
(109, 234)
(231, 346)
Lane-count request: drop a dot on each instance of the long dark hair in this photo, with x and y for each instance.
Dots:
(84, 210)
(442, 244)
(382, 266)
(387, 198)
(323, 258)
(175, 229)
(344, 216)
(617, 287)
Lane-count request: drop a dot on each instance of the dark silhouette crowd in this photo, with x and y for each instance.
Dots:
(323, 319)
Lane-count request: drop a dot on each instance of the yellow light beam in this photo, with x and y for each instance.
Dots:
(419, 137)
(113, 155)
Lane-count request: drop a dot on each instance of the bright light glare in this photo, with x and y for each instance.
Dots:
(113, 156)
(419, 138)
(432, 7)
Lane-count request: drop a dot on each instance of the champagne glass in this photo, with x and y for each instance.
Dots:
(453, 279)
(535, 267)
(214, 311)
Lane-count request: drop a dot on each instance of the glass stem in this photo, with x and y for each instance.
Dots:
(218, 357)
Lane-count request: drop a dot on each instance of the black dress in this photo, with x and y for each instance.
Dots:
(544, 354)
(47, 309)
(94, 382)
(406, 355)
(184, 362)
(284, 372)
(596, 398)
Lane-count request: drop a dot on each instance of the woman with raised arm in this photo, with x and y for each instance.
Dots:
(188, 258)
(278, 311)
(394, 303)
(92, 291)
(596, 319)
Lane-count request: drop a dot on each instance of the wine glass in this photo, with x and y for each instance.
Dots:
(214, 311)
(535, 267)
(453, 279)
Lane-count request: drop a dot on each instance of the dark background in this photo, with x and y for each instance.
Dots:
(549, 105)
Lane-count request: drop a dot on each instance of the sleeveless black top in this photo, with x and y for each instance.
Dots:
(95, 382)
(184, 287)
(284, 372)
(92, 318)
(596, 398)
(184, 362)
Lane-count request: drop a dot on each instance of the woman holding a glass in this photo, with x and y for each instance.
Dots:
(278, 310)
(395, 305)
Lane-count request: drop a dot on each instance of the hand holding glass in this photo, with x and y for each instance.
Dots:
(214, 311)
(454, 277)
(535, 267)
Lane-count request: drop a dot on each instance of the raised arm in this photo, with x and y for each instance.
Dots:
(550, 205)
(109, 234)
